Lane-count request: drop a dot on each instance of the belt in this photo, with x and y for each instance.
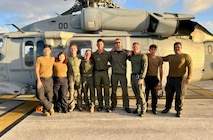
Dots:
(175, 77)
(87, 75)
(45, 78)
(59, 77)
(136, 75)
(101, 70)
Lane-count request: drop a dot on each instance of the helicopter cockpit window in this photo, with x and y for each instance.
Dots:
(29, 55)
(39, 48)
(83, 45)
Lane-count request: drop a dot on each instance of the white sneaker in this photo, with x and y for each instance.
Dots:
(52, 111)
(72, 107)
(92, 109)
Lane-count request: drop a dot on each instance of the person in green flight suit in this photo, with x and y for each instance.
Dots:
(139, 64)
(101, 59)
(74, 77)
(87, 80)
(118, 57)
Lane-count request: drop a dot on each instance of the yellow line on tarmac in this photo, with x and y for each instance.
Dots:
(191, 87)
(26, 98)
(205, 92)
(9, 119)
(6, 97)
(199, 90)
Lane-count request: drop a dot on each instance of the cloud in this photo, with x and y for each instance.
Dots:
(38, 6)
(161, 5)
(196, 6)
(208, 24)
(4, 30)
(23, 12)
(120, 2)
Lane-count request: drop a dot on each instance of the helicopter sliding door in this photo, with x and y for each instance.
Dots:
(21, 59)
(14, 59)
(3, 62)
(208, 67)
(89, 43)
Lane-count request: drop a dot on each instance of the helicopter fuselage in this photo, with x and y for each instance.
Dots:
(19, 50)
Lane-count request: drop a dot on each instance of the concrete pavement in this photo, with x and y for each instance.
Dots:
(195, 123)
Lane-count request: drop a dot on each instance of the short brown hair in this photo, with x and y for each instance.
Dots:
(177, 43)
(74, 45)
(100, 40)
(136, 43)
(153, 46)
(47, 46)
(118, 39)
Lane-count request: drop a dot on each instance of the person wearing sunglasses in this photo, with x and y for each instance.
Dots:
(118, 57)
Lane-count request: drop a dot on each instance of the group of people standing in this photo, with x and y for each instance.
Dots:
(84, 74)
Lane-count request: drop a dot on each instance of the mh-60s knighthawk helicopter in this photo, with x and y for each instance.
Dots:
(89, 20)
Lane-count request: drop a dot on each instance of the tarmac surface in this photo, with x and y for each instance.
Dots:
(196, 122)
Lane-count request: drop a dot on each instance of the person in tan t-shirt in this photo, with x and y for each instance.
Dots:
(44, 70)
(60, 87)
(151, 79)
(179, 64)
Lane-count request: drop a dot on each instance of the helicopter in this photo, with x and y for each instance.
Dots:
(88, 20)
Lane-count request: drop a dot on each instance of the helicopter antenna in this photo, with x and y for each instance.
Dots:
(19, 29)
(57, 14)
